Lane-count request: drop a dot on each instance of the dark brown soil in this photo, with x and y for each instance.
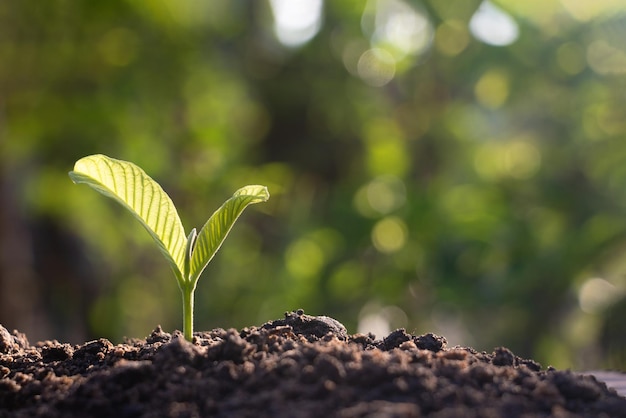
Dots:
(300, 366)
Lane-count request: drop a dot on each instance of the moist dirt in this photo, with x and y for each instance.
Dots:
(298, 366)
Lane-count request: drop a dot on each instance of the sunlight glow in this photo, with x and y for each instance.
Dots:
(596, 294)
(385, 194)
(492, 89)
(381, 196)
(396, 31)
(398, 27)
(389, 235)
(376, 67)
(606, 59)
(493, 26)
(451, 37)
(296, 21)
(380, 320)
(403, 28)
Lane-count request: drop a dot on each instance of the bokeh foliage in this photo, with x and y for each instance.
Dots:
(446, 184)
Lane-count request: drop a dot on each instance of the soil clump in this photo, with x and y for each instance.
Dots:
(299, 366)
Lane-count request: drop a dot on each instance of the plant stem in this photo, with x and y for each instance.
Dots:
(187, 312)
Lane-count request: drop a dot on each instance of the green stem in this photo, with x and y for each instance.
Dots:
(187, 312)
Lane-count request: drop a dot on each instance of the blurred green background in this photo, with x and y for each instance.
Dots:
(456, 167)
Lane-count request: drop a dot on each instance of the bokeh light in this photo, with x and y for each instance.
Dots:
(389, 235)
(493, 25)
(376, 67)
(597, 294)
(398, 33)
(296, 21)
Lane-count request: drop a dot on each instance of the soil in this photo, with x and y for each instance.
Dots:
(299, 366)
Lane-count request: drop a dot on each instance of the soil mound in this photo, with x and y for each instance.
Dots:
(299, 366)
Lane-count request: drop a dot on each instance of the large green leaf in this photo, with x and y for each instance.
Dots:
(214, 232)
(143, 197)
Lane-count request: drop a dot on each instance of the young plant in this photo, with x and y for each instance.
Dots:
(145, 199)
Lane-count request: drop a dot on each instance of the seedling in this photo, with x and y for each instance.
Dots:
(145, 199)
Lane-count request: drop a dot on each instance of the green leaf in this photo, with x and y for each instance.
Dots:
(214, 232)
(143, 197)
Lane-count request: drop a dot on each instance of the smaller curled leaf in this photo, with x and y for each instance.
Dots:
(214, 232)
